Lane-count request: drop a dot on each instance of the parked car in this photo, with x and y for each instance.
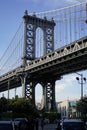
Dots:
(46, 121)
(18, 120)
(73, 124)
(6, 125)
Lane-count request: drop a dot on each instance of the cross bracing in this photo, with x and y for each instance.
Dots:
(70, 26)
(75, 49)
(46, 46)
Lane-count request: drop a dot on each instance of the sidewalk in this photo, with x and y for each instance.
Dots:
(49, 127)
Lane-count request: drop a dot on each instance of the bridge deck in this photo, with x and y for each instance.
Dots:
(67, 59)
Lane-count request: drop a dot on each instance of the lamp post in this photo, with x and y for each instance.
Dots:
(81, 80)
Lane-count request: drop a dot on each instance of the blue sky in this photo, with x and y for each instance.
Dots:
(11, 13)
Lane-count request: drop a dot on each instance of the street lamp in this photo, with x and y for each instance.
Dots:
(81, 80)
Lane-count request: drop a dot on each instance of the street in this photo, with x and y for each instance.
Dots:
(49, 127)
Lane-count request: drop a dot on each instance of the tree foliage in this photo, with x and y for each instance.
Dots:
(3, 104)
(18, 107)
(82, 106)
(22, 107)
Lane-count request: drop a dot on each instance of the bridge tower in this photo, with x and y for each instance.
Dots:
(31, 23)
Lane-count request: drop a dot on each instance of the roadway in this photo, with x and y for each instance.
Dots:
(49, 127)
(65, 60)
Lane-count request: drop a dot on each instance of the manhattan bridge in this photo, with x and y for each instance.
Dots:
(46, 46)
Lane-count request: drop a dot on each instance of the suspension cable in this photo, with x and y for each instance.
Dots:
(67, 7)
(11, 41)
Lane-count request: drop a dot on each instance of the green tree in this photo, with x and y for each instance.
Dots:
(22, 107)
(82, 106)
(3, 104)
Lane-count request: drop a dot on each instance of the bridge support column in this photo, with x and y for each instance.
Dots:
(49, 96)
(23, 82)
(8, 88)
(49, 103)
(30, 92)
(53, 102)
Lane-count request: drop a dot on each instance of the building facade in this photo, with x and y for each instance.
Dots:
(67, 108)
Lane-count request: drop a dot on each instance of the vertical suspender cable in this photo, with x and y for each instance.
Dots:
(66, 27)
(60, 28)
(75, 33)
(81, 20)
(86, 14)
(70, 28)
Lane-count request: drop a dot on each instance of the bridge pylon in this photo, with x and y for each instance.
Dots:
(48, 94)
(31, 23)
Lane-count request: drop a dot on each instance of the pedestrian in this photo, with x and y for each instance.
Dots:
(42, 123)
(58, 125)
(37, 123)
(23, 125)
(31, 124)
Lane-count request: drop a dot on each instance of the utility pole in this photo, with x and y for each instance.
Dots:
(81, 80)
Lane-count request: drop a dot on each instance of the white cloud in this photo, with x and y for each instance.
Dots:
(65, 83)
(60, 87)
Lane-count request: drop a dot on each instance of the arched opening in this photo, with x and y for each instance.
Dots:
(39, 98)
(39, 43)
